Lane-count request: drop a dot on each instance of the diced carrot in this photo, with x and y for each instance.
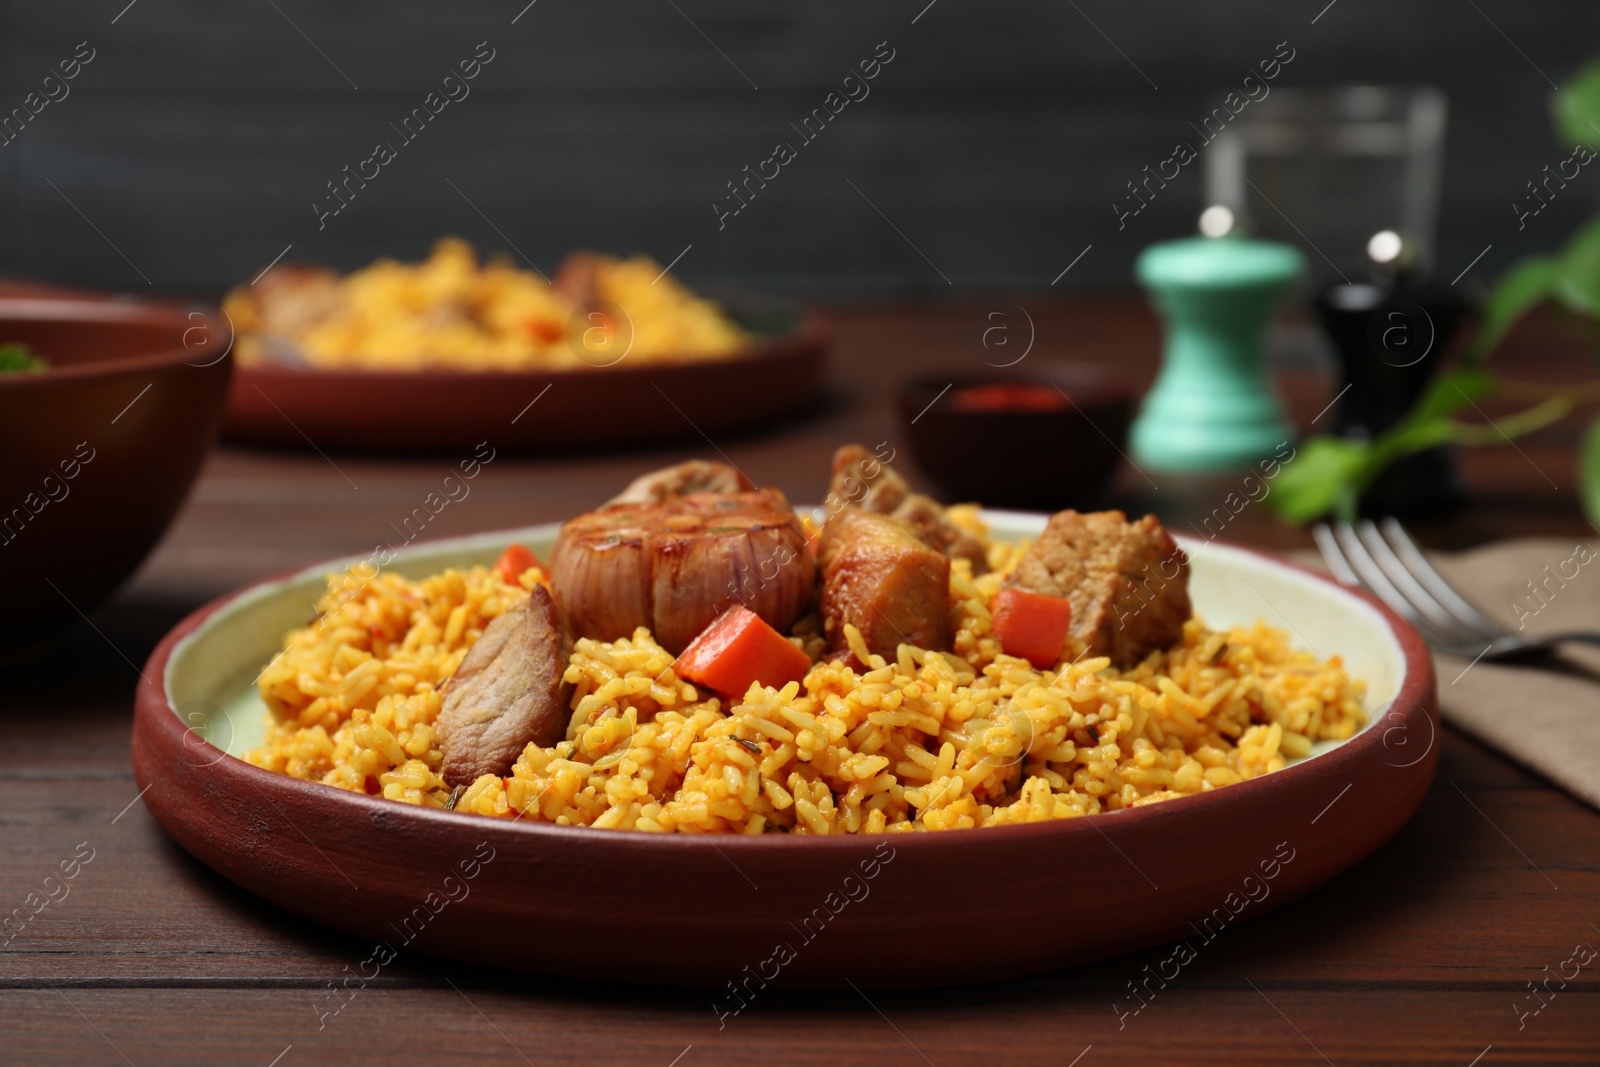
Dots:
(546, 330)
(737, 649)
(1032, 626)
(514, 560)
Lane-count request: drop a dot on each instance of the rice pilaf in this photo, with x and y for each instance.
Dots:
(925, 741)
(453, 311)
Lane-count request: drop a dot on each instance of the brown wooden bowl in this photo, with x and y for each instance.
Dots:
(1042, 458)
(433, 410)
(693, 909)
(101, 449)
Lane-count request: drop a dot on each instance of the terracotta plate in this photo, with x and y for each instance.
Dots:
(615, 405)
(692, 909)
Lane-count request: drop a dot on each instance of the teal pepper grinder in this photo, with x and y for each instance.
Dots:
(1212, 407)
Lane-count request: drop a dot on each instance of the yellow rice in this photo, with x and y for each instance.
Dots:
(451, 311)
(926, 741)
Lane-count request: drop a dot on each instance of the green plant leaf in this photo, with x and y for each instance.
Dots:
(1577, 108)
(1448, 393)
(19, 357)
(1572, 278)
(1526, 285)
(1329, 474)
(1322, 477)
(1410, 436)
(1577, 281)
(1589, 471)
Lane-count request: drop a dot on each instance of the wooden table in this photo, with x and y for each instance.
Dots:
(1421, 954)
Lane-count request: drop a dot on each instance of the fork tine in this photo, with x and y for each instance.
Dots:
(1443, 591)
(1333, 555)
(1419, 597)
(1373, 578)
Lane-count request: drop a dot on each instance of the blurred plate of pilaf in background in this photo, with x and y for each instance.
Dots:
(453, 351)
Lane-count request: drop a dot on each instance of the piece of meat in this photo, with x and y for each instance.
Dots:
(577, 276)
(675, 566)
(926, 516)
(1128, 582)
(507, 692)
(880, 577)
(862, 480)
(292, 297)
(681, 479)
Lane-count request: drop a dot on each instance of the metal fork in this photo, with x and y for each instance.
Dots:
(1382, 559)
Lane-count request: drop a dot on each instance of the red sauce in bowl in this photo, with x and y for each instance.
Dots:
(1008, 396)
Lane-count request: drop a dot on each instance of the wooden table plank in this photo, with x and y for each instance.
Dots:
(477, 1022)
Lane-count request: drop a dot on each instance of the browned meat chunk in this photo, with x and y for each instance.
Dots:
(695, 476)
(507, 692)
(926, 516)
(864, 481)
(677, 565)
(576, 276)
(1128, 582)
(286, 300)
(883, 579)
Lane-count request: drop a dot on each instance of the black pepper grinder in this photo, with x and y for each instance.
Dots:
(1389, 334)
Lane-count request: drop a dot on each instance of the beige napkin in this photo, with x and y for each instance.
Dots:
(1548, 720)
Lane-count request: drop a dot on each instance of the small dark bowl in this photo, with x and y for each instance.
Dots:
(100, 450)
(1020, 457)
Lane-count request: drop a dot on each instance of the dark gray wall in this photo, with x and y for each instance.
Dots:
(201, 134)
